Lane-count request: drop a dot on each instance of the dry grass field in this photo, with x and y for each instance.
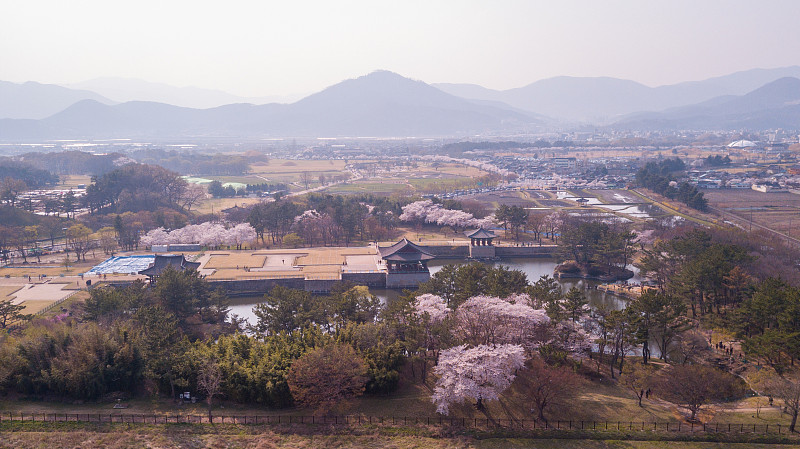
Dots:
(777, 211)
(216, 205)
(284, 166)
(244, 437)
(6, 291)
(34, 270)
(72, 181)
(35, 306)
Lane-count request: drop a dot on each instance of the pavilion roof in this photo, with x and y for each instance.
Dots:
(480, 234)
(162, 261)
(405, 251)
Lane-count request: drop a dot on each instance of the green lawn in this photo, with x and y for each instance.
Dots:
(369, 187)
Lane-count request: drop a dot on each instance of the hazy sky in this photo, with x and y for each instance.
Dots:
(254, 48)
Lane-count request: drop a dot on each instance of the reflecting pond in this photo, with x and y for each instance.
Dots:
(534, 268)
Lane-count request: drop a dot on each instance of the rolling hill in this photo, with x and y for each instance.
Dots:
(606, 99)
(378, 104)
(36, 101)
(774, 105)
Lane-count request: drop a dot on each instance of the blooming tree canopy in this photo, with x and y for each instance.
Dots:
(206, 234)
(428, 212)
(432, 305)
(492, 320)
(479, 373)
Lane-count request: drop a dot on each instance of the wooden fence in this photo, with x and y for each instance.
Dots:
(471, 423)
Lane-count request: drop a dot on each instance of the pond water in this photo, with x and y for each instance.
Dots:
(639, 210)
(568, 196)
(534, 268)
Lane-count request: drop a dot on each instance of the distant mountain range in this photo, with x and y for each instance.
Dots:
(605, 100)
(35, 101)
(378, 104)
(122, 90)
(386, 104)
(774, 105)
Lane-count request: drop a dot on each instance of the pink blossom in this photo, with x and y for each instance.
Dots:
(432, 305)
(491, 320)
(479, 373)
(428, 212)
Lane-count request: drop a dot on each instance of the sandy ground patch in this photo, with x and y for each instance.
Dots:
(41, 292)
(235, 260)
(288, 262)
(32, 307)
(280, 260)
(6, 291)
(365, 262)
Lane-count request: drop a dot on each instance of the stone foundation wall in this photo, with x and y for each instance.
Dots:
(448, 252)
(377, 279)
(526, 251)
(482, 252)
(406, 280)
(255, 287)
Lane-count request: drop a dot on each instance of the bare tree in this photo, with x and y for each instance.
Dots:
(191, 196)
(639, 378)
(209, 381)
(787, 390)
(692, 386)
(548, 385)
(306, 177)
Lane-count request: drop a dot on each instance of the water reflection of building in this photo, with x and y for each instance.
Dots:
(406, 264)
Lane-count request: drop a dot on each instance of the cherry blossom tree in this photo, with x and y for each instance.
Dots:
(492, 320)
(432, 305)
(427, 212)
(206, 234)
(477, 374)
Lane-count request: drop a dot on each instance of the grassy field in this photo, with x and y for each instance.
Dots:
(284, 166)
(72, 181)
(377, 188)
(34, 270)
(215, 205)
(43, 435)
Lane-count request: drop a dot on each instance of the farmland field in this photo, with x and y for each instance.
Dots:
(778, 211)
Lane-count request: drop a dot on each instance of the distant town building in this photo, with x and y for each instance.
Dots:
(742, 144)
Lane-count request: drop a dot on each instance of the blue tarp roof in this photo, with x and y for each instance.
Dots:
(122, 264)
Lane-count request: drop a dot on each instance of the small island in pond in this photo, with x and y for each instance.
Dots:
(570, 269)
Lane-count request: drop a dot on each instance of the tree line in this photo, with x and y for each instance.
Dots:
(658, 177)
